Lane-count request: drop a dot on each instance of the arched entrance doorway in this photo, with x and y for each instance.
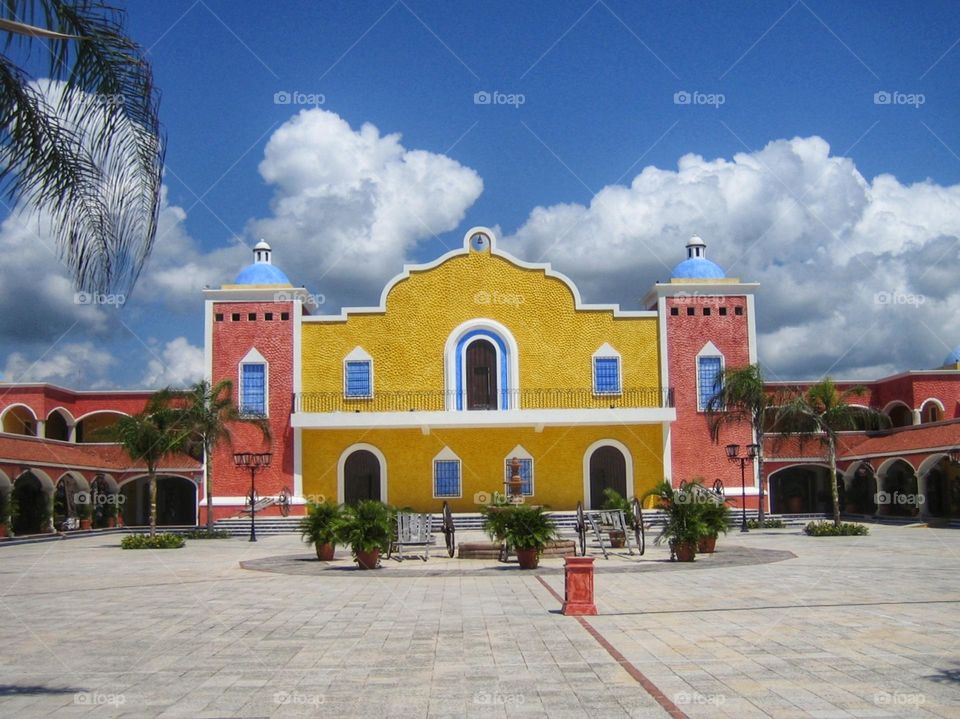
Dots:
(802, 489)
(95, 427)
(861, 487)
(940, 487)
(176, 501)
(361, 476)
(899, 495)
(32, 498)
(71, 490)
(481, 375)
(608, 469)
(20, 419)
(106, 499)
(57, 426)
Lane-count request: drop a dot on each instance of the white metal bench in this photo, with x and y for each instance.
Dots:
(413, 530)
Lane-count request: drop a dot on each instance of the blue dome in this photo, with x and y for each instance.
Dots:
(953, 358)
(261, 273)
(698, 268)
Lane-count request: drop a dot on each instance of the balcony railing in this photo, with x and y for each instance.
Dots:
(440, 400)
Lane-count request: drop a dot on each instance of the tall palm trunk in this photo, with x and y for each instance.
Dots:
(834, 495)
(208, 466)
(153, 503)
(760, 497)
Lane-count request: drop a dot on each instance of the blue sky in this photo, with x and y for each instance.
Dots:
(601, 86)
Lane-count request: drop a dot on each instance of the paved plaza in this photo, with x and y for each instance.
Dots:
(810, 627)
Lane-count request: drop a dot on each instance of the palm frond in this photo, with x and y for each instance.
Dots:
(86, 150)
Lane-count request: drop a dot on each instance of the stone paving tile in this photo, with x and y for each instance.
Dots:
(846, 628)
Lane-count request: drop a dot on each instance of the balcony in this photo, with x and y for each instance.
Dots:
(525, 407)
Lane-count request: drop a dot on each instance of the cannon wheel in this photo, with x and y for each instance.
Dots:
(581, 529)
(283, 501)
(449, 531)
(638, 531)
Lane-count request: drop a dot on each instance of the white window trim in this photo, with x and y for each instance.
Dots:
(520, 453)
(709, 350)
(606, 351)
(446, 455)
(254, 357)
(358, 354)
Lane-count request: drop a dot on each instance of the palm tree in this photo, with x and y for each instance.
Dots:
(205, 412)
(741, 397)
(149, 437)
(824, 411)
(81, 145)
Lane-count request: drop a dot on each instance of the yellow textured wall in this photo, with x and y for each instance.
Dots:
(557, 451)
(407, 342)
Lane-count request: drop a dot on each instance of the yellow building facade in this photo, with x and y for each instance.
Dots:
(468, 362)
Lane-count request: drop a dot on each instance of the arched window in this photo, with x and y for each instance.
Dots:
(447, 482)
(254, 384)
(607, 373)
(358, 374)
(482, 369)
(709, 375)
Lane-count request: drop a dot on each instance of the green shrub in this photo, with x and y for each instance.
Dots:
(528, 527)
(206, 534)
(767, 524)
(829, 529)
(365, 526)
(319, 525)
(145, 541)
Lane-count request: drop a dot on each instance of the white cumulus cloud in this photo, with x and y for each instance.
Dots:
(177, 364)
(855, 274)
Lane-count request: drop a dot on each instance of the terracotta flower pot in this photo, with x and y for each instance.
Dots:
(3, 531)
(685, 551)
(528, 558)
(618, 540)
(325, 551)
(707, 545)
(368, 560)
(111, 522)
(86, 523)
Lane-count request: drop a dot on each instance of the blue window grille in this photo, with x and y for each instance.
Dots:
(358, 379)
(446, 478)
(606, 375)
(253, 397)
(708, 379)
(526, 474)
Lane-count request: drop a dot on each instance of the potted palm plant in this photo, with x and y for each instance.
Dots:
(319, 528)
(528, 530)
(684, 523)
(716, 518)
(366, 528)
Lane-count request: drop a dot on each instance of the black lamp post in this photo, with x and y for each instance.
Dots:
(733, 454)
(252, 461)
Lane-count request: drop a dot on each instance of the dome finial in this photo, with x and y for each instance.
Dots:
(261, 253)
(696, 247)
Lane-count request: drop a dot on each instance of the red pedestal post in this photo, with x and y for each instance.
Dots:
(578, 586)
